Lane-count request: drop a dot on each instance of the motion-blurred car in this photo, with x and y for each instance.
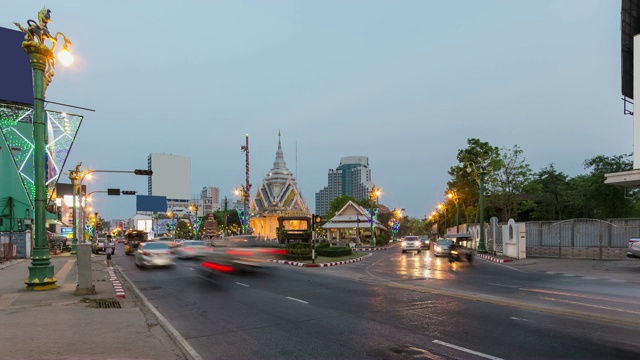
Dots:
(442, 247)
(240, 253)
(154, 254)
(633, 251)
(171, 242)
(190, 249)
(411, 243)
(425, 243)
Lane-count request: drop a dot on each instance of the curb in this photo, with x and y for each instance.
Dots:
(296, 263)
(494, 259)
(369, 249)
(117, 286)
(187, 350)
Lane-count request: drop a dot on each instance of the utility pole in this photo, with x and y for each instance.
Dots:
(224, 233)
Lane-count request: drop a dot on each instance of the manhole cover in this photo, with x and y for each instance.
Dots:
(104, 303)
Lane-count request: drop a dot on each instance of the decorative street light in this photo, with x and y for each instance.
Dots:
(172, 231)
(443, 208)
(42, 59)
(452, 195)
(244, 217)
(479, 172)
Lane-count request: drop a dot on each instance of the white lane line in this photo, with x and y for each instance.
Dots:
(590, 305)
(518, 319)
(191, 269)
(509, 286)
(592, 297)
(241, 284)
(298, 300)
(467, 350)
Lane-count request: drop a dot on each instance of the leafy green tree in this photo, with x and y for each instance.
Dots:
(465, 180)
(337, 204)
(508, 182)
(183, 230)
(603, 200)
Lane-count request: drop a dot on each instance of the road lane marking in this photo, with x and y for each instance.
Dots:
(509, 286)
(592, 297)
(590, 305)
(519, 319)
(298, 300)
(467, 350)
(191, 269)
(241, 284)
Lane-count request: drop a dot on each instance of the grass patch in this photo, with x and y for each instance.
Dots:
(324, 259)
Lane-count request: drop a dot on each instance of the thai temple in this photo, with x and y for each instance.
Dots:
(277, 196)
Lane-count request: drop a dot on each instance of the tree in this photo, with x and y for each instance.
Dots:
(465, 180)
(183, 230)
(337, 204)
(508, 182)
(605, 200)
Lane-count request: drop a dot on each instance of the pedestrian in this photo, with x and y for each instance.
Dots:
(109, 250)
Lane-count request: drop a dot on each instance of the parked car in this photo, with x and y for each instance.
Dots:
(443, 247)
(154, 254)
(190, 249)
(633, 251)
(411, 243)
(425, 243)
(98, 245)
(240, 253)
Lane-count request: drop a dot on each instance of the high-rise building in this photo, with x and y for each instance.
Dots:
(352, 177)
(209, 200)
(171, 178)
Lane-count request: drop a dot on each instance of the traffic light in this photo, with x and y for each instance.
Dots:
(315, 219)
(128, 192)
(142, 172)
(113, 192)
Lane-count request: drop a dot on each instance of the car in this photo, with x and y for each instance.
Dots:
(442, 247)
(172, 242)
(154, 253)
(132, 239)
(240, 253)
(425, 243)
(190, 249)
(98, 245)
(633, 251)
(411, 243)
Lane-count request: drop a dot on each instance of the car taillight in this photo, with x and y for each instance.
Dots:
(633, 241)
(188, 249)
(239, 252)
(209, 249)
(146, 253)
(274, 251)
(219, 267)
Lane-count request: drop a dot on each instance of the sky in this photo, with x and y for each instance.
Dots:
(404, 83)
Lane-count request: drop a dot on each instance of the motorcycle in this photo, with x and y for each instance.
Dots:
(459, 255)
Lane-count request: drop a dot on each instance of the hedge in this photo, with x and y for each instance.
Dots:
(334, 251)
(298, 251)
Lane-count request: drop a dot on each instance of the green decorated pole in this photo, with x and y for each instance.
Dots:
(41, 57)
(41, 271)
(481, 245)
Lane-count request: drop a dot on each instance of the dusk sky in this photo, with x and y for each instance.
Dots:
(405, 83)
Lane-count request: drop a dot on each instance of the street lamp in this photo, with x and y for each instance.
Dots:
(42, 59)
(452, 195)
(172, 228)
(443, 208)
(244, 217)
(480, 171)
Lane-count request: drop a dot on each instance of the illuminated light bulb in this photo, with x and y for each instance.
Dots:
(65, 56)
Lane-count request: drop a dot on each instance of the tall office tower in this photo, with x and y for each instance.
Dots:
(352, 177)
(171, 178)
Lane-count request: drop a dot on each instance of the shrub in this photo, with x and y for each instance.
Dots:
(382, 239)
(298, 251)
(334, 251)
(322, 245)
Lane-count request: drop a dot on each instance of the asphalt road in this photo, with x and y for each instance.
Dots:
(393, 306)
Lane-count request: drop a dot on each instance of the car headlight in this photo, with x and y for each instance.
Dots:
(438, 248)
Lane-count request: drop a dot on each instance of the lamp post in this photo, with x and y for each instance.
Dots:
(42, 59)
(480, 171)
(454, 196)
(443, 208)
(244, 219)
(172, 228)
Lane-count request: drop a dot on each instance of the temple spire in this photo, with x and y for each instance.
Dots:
(279, 165)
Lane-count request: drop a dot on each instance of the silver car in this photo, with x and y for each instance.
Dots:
(443, 247)
(633, 251)
(154, 254)
(190, 249)
(411, 243)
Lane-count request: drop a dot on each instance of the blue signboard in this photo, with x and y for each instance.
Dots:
(16, 79)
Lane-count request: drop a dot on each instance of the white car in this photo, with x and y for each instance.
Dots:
(633, 251)
(411, 243)
(190, 249)
(154, 253)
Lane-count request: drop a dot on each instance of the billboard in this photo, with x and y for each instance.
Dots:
(629, 27)
(151, 203)
(16, 79)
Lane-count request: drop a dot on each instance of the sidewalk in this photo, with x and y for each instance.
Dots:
(56, 324)
(623, 270)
